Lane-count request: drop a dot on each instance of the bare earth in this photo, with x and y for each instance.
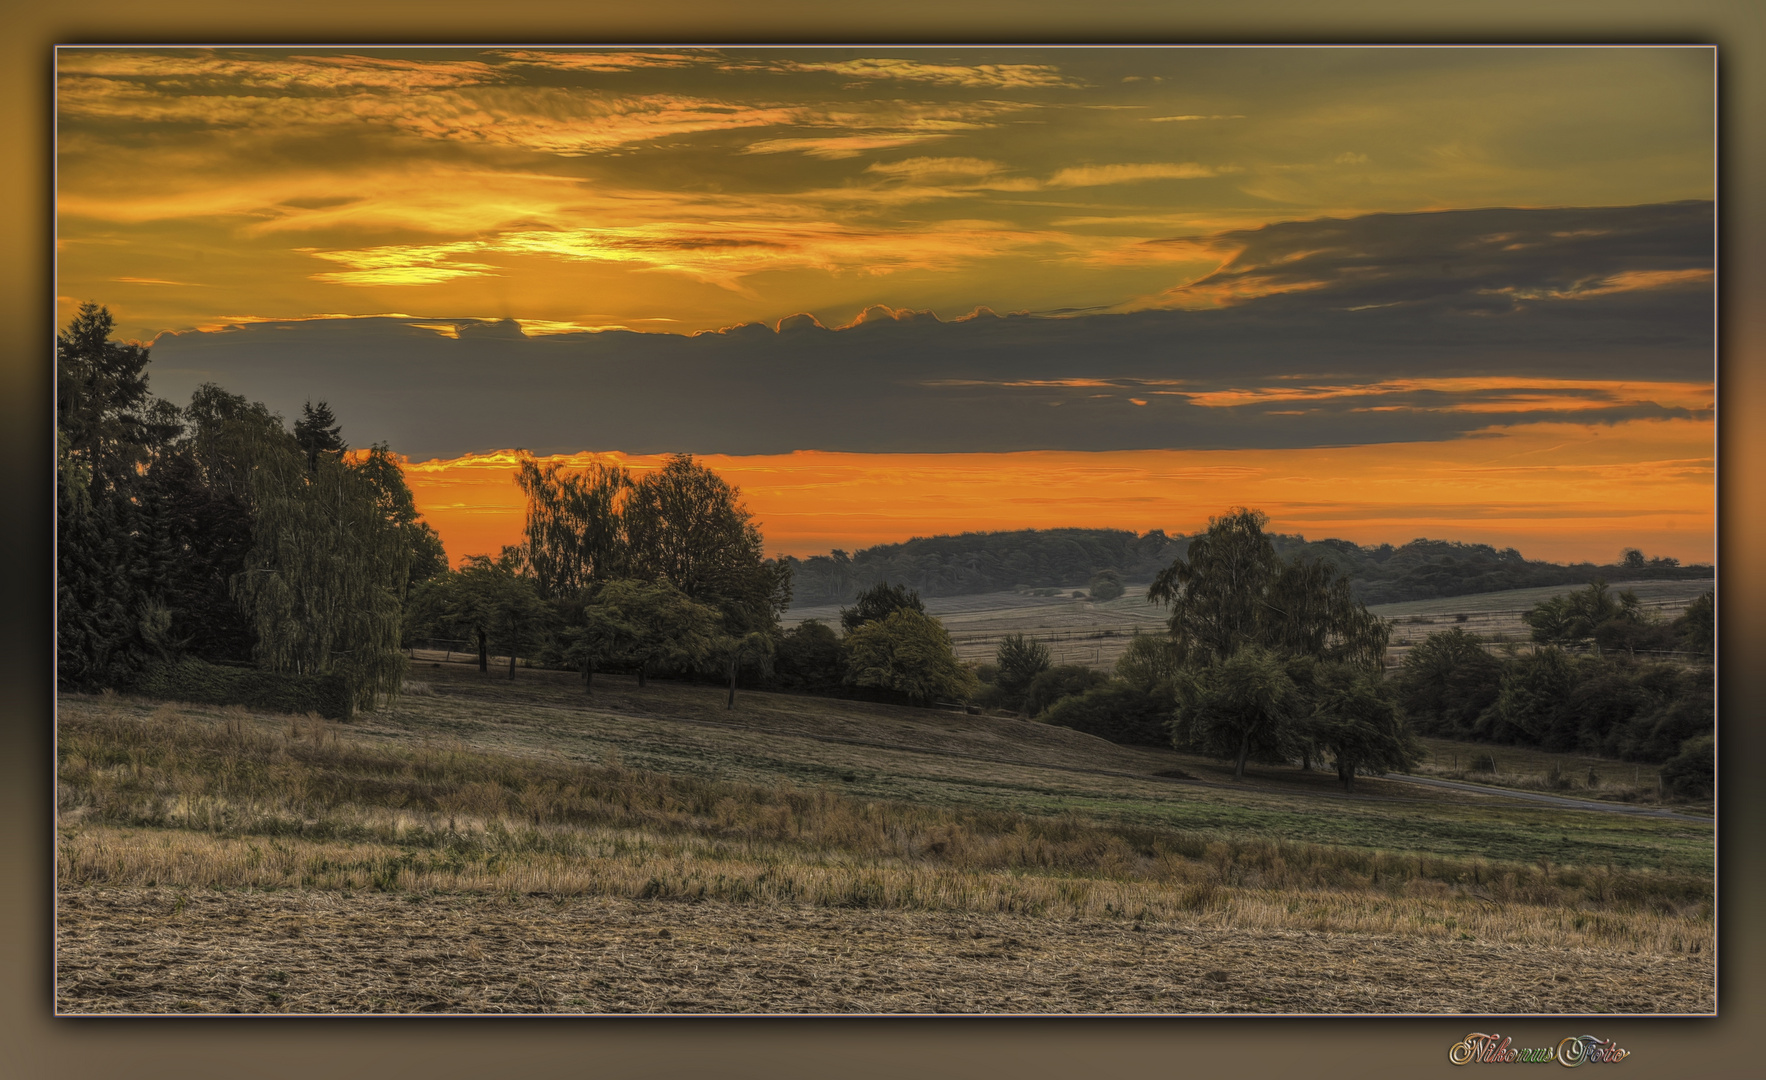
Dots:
(158, 950)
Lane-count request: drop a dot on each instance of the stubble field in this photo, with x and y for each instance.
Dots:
(496, 846)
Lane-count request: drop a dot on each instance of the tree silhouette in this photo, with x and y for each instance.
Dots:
(318, 432)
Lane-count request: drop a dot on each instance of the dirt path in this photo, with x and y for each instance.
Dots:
(154, 950)
(1552, 800)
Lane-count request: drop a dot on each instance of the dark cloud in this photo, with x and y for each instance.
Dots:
(1361, 324)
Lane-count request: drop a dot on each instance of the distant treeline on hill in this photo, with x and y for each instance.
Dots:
(1069, 558)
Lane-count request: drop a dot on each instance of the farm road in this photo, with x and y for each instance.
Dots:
(1553, 800)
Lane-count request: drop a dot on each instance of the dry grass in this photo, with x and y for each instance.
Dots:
(191, 800)
(1584, 776)
(135, 950)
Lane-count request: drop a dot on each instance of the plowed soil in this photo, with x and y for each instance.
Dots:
(156, 950)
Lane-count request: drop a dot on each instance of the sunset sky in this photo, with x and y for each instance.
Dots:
(1379, 293)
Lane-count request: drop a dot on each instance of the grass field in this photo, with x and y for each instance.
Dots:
(536, 809)
(1081, 631)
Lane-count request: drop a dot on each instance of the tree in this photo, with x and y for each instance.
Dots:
(753, 647)
(1447, 681)
(1352, 716)
(318, 432)
(1692, 773)
(1632, 559)
(907, 653)
(381, 468)
(648, 626)
(1019, 660)
(685, 526)
(1106, 585)
(1233, 591)
(1066, 680)
(1532, 704)
(502, 605)
(808, 657)
(1241, 708)
(326, 577)
(1575, 618)
(102, 405)
(1234, 595)
(575, 535)
(1150, 661)
(1697, 626)
(113, 550)
(879, 602)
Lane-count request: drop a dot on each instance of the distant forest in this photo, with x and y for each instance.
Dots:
(1071, 558)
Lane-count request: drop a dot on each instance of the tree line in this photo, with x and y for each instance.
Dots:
(980, 562)
(213, 533)
(1273, 659)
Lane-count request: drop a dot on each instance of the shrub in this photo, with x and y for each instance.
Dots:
(1056, 683)
(907, 653)
(211, 684)
(1692, 773)
(1118, 712)
(808, 658)
(1106, 585)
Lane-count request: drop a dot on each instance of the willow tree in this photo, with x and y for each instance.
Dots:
(324, 584)
(575, 535)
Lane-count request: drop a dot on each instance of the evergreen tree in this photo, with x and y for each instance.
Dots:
(318, 432)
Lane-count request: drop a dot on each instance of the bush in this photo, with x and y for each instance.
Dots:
(1052, 685)
(1106, 585)
(211, 684)
(909, 654)
(1118, 712)
(808, 658)
(1692, 773)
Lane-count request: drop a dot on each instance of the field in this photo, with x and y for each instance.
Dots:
(488, 845)
(1081, 631)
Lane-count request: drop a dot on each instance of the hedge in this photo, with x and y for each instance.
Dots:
(212, 684)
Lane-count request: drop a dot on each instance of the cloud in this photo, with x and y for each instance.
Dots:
(604, 61)
(1096, 175)
(1187, 117)
(1344, 332)
(835, 147)
(922, 168)
(995, 76)
(1483, 261)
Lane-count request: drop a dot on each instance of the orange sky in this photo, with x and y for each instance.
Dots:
(1562, 492)
(681, 190)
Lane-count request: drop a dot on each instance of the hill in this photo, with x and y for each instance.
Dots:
(985, 562)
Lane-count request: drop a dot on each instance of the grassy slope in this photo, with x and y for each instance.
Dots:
(483, 788)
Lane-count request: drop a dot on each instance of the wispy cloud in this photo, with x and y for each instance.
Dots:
(1097, 175)
(994, 76)
(835, 147)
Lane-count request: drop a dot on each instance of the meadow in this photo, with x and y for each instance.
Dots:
(663, 853)
(1079, 630)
